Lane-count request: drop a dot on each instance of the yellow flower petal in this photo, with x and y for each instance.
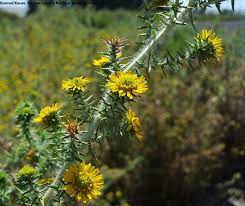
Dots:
(68, 176)
(70, 190)
(134, 124)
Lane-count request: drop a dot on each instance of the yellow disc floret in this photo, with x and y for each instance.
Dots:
(134, 124)
(76, 84)
(84, 182)
(48, 115)
(213, 44)
(127, 84)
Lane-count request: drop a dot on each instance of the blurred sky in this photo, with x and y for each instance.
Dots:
(239, 6)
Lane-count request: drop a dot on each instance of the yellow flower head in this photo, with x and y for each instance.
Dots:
(119, 194)
(26, 171)
(127, 84)
(134, 124)
(84, 182)
(110, 196)
(76, 84)
(48, 115)
(101, 61)
(212, 44)
(125, 204)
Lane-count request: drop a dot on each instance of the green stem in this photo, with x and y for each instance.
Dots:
(49, 194)
(27, 136)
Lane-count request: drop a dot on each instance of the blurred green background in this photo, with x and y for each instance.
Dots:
(193, 120)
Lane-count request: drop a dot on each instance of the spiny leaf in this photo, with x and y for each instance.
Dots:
(233, 4)
(218, 7)
(191, 20)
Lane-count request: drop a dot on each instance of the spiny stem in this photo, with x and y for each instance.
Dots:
(146, 49)
(162, 31)
(48, 195)
(92, 127)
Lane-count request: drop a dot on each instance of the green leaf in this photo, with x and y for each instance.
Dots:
(218, 7)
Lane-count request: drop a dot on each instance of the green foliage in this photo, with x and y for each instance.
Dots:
(4, 189)
(52, 51)
(23, 116)
(194, 130)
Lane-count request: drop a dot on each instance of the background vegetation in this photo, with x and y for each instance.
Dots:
(193, 120)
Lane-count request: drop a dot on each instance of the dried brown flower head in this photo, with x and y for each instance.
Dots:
(115, 44)
(72, 128)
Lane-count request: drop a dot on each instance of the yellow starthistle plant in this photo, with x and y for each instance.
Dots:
(101, 61)
(26, 171)
(48, 115)
(127, 84)
(134, 124)
(211, 45)
(76, 84)
(84, 182)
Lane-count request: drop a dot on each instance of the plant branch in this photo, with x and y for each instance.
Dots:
(92, 126)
